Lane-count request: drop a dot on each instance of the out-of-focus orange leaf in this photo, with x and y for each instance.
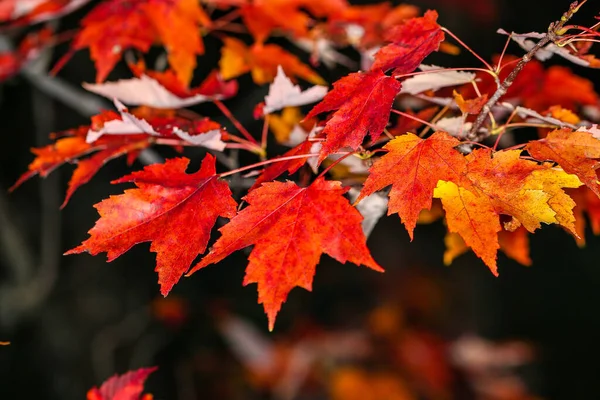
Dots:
(413, 167)
(128, 386)
(363, 102)
(560, 86)
(514, 244)
(587, 203)
(290, 227)
(353, 384)
(263, 16)
(262, 60)
(374, 19)
(170, 208)
(505, 184)
(411, 42)
(576, 152)
(282, 125)
(117, 25)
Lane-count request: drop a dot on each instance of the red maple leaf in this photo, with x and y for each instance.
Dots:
(411, 42)
(363, 102)
(128, 386)
(290, 227)
(173, 210)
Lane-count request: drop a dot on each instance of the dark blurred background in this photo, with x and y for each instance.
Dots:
(74, 321)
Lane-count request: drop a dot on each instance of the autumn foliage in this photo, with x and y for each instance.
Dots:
(420, 135)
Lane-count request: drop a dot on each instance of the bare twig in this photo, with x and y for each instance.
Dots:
(554, 32)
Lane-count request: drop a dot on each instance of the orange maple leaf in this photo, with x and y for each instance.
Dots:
(128, 386)
(290, 227)
(576, 152)
(505, 184)
(173, 210)
(413, 167)
(263, 16)
(116, 25)
(363, 101)
(261, 60)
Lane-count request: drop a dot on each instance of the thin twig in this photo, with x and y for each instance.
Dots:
(554, 31)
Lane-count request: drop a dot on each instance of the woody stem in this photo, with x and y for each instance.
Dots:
(554, 30)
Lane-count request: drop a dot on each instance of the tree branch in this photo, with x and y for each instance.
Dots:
(554, 31)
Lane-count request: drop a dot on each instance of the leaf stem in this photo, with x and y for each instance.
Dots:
(234, 121)
(463, 44)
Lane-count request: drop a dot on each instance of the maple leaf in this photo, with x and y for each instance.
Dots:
(575, 151)
(413, 166)
(170, 208)
(117, 25)
(411, 42)
(262, 61)
(363, 102)
(128, 386)
(290, 227)
(509, 185)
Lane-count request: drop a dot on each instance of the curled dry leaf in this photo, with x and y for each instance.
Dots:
(149, 92)
(546, 52)
(437, 79)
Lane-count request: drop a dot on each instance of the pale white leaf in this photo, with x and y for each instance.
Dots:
(128, 124)
(543, 54)
(325, 52)
(525, 112)
(367, 57)
(24, 7)
(594, 130)
(283, 93)
(435, 80)
(144, 91)
(455, 126)
(372, 208)
(210, 139)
